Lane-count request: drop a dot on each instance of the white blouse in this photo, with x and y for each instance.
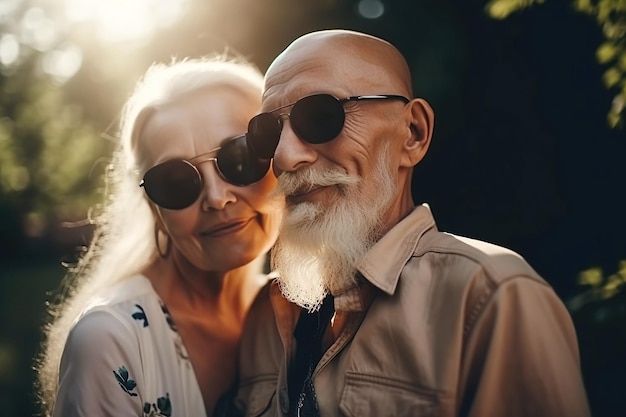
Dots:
(124, 357)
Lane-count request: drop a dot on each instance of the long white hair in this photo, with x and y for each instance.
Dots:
(123, 242)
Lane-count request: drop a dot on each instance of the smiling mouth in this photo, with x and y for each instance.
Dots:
(226, 229)
(304, 194)
(305, 190)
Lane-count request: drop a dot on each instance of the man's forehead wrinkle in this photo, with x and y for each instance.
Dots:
(289, 80)
(285, 71)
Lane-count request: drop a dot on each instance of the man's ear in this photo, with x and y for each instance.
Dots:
(421, 121)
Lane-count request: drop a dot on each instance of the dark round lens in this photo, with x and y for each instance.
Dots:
(318, 118)
(263, 135)
(173, 185)
(238, 165)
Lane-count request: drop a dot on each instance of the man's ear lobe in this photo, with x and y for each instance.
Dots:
(421, 125)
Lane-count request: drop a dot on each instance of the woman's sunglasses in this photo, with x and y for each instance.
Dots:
(177, 183)
(315, 119)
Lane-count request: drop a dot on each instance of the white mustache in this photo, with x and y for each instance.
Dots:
(306, 179)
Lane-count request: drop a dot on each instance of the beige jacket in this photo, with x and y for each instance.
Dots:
(456, 327)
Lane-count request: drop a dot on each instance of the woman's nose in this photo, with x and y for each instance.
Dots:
(217, 192)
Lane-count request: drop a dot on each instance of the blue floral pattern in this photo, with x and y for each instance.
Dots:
(141, 315)
(123, 379)
(162, 407)
(180, 349)
(168, 317)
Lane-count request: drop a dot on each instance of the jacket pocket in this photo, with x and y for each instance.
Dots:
(385, 397)
(255, 395)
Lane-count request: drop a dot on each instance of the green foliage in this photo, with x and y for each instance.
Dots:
(48, 151)
(611, 16)
(600, 287)
(501, 9)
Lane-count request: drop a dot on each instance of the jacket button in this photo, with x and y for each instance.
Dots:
(284, 400)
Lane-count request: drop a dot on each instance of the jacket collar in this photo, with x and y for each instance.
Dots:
(383, 263)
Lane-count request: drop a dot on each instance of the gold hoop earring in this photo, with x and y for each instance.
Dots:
(162, 253)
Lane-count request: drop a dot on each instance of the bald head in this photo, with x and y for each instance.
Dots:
(356, 62)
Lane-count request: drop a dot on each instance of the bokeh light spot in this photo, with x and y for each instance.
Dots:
(371, 9)
(9, 49)
(118, 21)
(14, 178)
(62, 64)
(7, 9)
(34, 224)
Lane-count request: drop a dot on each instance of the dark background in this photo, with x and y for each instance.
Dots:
(522, 154)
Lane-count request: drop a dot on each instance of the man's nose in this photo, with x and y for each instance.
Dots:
(292, 153)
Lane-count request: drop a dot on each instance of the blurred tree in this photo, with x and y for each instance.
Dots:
(611, 16)
(61, 87)
(599, 314)
(48, 151)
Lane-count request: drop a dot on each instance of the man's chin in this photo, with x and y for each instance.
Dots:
(300, 217)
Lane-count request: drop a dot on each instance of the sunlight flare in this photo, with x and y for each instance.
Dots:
(117, 21)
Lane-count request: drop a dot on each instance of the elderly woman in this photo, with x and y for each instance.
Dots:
(151, 317)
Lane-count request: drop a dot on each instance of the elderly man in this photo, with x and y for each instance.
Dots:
(375, 312)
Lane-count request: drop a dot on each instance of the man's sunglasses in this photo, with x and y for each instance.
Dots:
(315, 119)
(177, 183)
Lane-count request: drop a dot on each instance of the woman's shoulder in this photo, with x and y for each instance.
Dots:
(120, 319)
(125, 303)
(123, 293)
(97, 327)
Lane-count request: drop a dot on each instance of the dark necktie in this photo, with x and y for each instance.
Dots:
(308, 333)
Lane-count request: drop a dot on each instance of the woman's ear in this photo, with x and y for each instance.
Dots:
(420, 120)
(158, 220)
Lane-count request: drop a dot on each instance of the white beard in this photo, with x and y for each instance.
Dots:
(319, 247)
